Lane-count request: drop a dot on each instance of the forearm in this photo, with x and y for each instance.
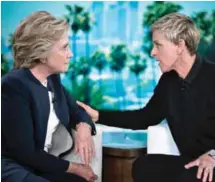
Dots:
(78, 114)
(124, 119)
(85, 118)
(40, 160)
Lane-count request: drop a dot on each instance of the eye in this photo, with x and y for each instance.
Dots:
(66, 46)
(158, 45)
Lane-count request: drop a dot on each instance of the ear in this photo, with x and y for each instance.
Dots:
(43, 60)
(181, 46)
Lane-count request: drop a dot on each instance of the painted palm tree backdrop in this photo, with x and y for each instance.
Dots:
(111, 67)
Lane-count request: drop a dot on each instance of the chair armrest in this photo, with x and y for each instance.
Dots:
(160, 140)
(96, 163)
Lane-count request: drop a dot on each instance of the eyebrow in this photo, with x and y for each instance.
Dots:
(157, 43)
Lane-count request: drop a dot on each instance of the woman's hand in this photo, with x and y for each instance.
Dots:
(94, 114)
(84, 144)
(205, 165)
(82, 170)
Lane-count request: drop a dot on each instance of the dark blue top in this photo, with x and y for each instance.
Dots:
(25, 111)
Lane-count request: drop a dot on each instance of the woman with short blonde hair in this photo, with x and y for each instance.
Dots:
(176, 26)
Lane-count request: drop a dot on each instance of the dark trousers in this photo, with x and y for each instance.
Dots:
(164, 168)
(13, 172)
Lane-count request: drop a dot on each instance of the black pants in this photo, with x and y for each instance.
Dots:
(164, 168)
(13, 172)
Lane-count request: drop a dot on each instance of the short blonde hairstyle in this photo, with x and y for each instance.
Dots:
(34, 38)
(176, 26)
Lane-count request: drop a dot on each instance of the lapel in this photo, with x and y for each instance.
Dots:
(41, 106)
(59, 99)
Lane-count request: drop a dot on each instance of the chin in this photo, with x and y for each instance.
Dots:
(163, 70)
(64, 69)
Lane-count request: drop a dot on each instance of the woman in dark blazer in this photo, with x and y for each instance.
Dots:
(35, 104)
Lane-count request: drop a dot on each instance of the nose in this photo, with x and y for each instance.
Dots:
(70, 54)
(153, 52)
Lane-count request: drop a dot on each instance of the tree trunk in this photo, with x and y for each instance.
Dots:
(138, 90)
(87, 90)
(118, 106)
(74, 50)
(100, 79)
(123, 99)
(87, 48)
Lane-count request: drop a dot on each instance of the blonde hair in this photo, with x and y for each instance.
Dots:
(175, 26)
(34, 38)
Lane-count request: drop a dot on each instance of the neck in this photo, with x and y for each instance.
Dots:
(184, 65)
(40, 72)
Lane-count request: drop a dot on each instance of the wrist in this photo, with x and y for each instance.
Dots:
(211, 153)
(82, 124)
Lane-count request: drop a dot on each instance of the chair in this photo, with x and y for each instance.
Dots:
(96, 163)
(160, 140)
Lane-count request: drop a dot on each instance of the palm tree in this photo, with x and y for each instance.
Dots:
(83, 68)
(78, 92)
(99, 61)
(74, 18)
(86, 27)
(4, 64)
(118, 57)
(206, 25)
(153, 12)
(138, 66)
(10, 41)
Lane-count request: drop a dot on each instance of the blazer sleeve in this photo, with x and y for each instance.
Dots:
(18, 133)
(77, 113)
(153, 113)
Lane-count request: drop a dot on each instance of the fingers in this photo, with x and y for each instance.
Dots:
(90, 154)
(93, 149)
(211, 175)
(81, 104)
(206, 174)
(91, 176)
(205, 167)
(192, 164)
(90, 151)
(86, 156)
(76, 148)
(94, 178)
(82, 154)
(199, 172)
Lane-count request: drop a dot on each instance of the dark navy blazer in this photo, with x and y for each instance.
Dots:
(25, 112)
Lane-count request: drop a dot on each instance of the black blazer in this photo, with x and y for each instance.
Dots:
(25, 112)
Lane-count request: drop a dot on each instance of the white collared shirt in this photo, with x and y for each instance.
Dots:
(52, 125)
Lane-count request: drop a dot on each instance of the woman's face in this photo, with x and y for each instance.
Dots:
(164, 51)
(59, 56)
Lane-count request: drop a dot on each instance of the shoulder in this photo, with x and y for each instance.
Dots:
(14, 77)
(208, 71)
(207, 75)
(15, 81)
(208, 66)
